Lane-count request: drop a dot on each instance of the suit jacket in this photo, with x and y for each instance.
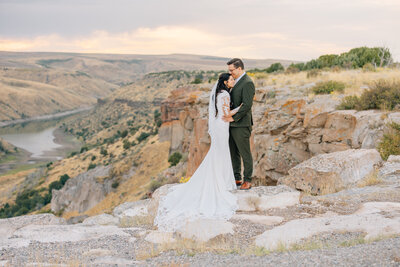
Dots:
(243, 92)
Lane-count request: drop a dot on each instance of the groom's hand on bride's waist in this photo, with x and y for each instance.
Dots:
(227, 118)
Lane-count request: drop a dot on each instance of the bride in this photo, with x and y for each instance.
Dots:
(207, 194)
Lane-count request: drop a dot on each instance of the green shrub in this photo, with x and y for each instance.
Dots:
(174, 158)
(142, 137)
(31, 199)
(93, 158)
(124, 133)
(157, 118)
(126, 144)
(103, 151)
(72, 154)
(115, 184)
(349, 102)
(55, 185)
(275, 67)
(292, 69)
(368, 67)
(197, 81)
(383, 95)
(83, 149)
(328, 87)
(64, 178)
(91, 166)
(313, 73)
(390, 144)
(154, 184)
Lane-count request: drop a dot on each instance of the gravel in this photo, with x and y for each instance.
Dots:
(118, 251)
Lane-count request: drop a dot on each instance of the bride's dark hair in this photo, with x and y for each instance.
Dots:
(221, 86)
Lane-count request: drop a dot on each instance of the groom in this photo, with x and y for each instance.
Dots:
(241, 123)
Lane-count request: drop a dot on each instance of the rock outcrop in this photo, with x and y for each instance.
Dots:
(288, 129)
(82, 192)
(330, 173)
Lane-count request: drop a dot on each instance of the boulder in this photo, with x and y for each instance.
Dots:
(390, 171)
(262, 198)
(368, 130)
(316, 113)
(376, 219)
(339, 126)
(330, 173)
(155, 199)
(82, 192)
(132, 209)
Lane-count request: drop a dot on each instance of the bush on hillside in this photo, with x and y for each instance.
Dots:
(390, 144)
(355, 58)
(31, 199)
(328, 87)
(349, 102)
(174, 158)
(368, 67)
(383, 95)
(275, 67)
(142, 137)
(292, 69)
(313, 73)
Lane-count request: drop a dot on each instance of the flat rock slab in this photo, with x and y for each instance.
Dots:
(102, 219)
(62, 233)
(9, 225)
(115, 261)
(157, 237)
(368, 219)
(332, 172)
(205, 229)
(259, 219)
(266, 197)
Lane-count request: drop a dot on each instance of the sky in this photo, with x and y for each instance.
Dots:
(259, 29)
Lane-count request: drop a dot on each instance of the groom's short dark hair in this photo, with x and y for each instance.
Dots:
(237, 62)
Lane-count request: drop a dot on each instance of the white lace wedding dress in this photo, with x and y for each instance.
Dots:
(207, 193)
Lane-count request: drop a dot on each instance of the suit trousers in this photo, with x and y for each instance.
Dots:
(239, 145)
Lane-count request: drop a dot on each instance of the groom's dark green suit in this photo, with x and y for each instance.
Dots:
(240, 129)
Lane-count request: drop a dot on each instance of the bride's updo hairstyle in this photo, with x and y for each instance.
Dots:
(221, 86)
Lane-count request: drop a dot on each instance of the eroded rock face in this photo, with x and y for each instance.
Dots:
(82, 192)
(329, 173)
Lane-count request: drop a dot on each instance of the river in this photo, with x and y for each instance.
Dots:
(38, 142)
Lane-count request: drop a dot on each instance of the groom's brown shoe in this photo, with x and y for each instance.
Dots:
(245, 186)
(238, 183)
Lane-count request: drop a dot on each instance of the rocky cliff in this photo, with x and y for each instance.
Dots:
(289, 128)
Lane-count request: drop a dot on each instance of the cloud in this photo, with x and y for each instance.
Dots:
(178, 39)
